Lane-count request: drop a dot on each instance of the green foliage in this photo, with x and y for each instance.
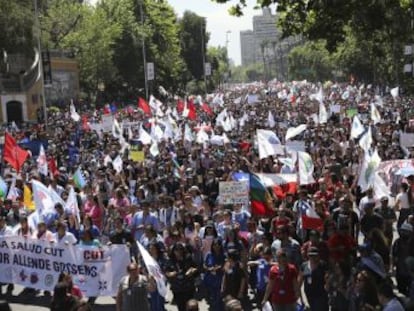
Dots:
(218, 58)
(311, 62)
(192, 31)
(16, 26)
(249, 73)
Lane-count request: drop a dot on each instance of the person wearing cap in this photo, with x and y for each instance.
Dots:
(312, 276)
(403, 248)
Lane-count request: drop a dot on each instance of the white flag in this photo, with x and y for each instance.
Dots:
(271, 120)
(73, 114)
(71, 205)
(42, 161)
(107, 160)
(357, 128)
(294, 131)
(154, 103)
(154, 270)
(42, 198)
(188, 135)
(55, 196)
(305, 168)
(156, 132)
(116, 129)
(365, 141)
(144, 137)
(117, 164)
(269, 144)
(202, 136)
(367, 173)
(13, 193)
(395, 92)
(375, 115)
(323, 114)
(154, 149)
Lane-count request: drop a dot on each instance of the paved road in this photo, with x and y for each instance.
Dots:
(41, 303)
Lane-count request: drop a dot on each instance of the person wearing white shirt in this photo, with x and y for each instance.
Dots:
(368, 198)
(402, 204)
(5, 231)
(61, 236)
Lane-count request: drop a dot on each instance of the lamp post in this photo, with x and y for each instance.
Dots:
(203, 55)
(144, 55)
(39, 47)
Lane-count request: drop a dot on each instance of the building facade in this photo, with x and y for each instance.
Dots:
(264, 45)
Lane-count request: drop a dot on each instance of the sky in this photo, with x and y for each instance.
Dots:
(219, 21)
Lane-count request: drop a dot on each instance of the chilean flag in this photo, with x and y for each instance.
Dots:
(311, 220)
(281, 184)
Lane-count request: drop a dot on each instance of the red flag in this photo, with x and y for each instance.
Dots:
(13, 154)
(180, 106)
(207, 109)
(192, 114)
(142, 104)
(51, 163)
(85, 123)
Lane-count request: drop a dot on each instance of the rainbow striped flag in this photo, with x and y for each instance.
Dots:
(79, 179)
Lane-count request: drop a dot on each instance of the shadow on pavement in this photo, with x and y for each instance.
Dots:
(28, 299)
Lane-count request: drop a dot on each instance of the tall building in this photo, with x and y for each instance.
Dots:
(263, 44)
(247, 45)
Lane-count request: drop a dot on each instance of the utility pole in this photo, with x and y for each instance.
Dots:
(144, 55)
(39, 48)
(203, 55)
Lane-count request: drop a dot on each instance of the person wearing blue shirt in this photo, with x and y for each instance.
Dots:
(240, 216)
(141, 219)
(263, 265)
(213, 265)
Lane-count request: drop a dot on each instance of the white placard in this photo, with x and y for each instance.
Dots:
(233, 192)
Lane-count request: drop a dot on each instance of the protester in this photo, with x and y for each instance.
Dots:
(133, 290)
(156, 177)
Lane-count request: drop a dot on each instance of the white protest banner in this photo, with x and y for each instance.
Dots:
(387, 170)
(37, 264)
(233, 192)
(295, 145)
(106, 123)
(407, 139)
(154, 270)
(252, 99)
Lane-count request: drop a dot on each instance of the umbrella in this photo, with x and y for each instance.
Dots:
(406, 171)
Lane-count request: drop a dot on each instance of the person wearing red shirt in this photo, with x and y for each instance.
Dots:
(323, 193)
(341, 245)
(283, 286)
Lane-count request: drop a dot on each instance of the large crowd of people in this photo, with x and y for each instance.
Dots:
(230, 255)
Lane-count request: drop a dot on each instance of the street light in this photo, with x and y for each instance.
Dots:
(144, 55)
(39, 47)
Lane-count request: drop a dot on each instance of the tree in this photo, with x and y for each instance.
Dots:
(311, 62)
(194, 39)
(218, 58)
(16, 24)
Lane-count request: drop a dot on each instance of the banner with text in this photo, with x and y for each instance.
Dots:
(37, 264)
(233, 192)
(388, 171)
